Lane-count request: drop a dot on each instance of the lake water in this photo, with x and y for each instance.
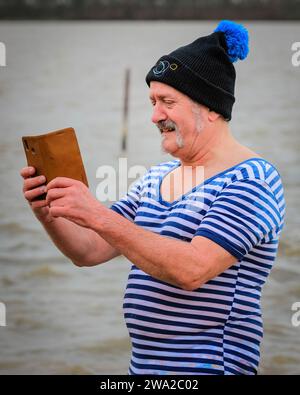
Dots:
(66, 320)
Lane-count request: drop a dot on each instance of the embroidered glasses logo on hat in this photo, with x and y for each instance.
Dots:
(163, 66)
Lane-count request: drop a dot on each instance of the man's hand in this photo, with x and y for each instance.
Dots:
(33, 187)
(71, 199)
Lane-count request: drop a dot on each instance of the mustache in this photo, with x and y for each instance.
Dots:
(168, 124)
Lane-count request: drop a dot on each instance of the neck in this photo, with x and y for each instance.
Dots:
(220, 145)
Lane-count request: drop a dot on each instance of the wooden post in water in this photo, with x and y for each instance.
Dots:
(125, 111)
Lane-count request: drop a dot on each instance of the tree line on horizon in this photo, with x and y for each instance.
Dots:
(150, 9)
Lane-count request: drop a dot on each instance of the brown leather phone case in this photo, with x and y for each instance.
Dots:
(55, 154)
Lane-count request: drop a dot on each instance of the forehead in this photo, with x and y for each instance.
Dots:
(163, 90)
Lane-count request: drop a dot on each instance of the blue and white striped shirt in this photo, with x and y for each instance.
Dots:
(216, 329)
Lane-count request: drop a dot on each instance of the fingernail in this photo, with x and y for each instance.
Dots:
(42, 178)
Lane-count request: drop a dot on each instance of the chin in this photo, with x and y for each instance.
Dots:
(170, 149)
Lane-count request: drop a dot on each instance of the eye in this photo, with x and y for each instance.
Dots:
(169, 103)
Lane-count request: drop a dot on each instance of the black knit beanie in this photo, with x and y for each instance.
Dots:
(203, 70)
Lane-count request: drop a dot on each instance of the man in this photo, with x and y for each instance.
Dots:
(201, 248)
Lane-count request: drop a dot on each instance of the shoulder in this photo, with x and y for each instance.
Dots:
(259, 180)
(257, 170)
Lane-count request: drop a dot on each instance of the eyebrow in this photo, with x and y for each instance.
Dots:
(162, 97)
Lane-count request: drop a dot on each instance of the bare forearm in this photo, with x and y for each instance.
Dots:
(169, 260)
(72, 240)
(75, 240)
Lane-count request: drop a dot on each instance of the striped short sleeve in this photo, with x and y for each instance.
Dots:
(243, 215)
(128, 205)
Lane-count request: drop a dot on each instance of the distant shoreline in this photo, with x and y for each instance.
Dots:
(30, 19)
(150, 10)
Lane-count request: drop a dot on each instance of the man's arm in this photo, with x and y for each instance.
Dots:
(81, 245)
(239, 219)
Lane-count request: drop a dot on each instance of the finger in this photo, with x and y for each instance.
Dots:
(34, 182)
(34, 193)
(57, 211)
(38, 204)
(61, 182)
(58, 202)
(27, 171)
(55, 193)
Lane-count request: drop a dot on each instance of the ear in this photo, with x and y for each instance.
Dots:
(212, 116)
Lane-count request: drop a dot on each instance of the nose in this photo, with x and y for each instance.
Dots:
(158, 114)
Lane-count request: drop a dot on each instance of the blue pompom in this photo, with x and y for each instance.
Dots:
(236, 37)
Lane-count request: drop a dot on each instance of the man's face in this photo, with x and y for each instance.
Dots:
(179, 119)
